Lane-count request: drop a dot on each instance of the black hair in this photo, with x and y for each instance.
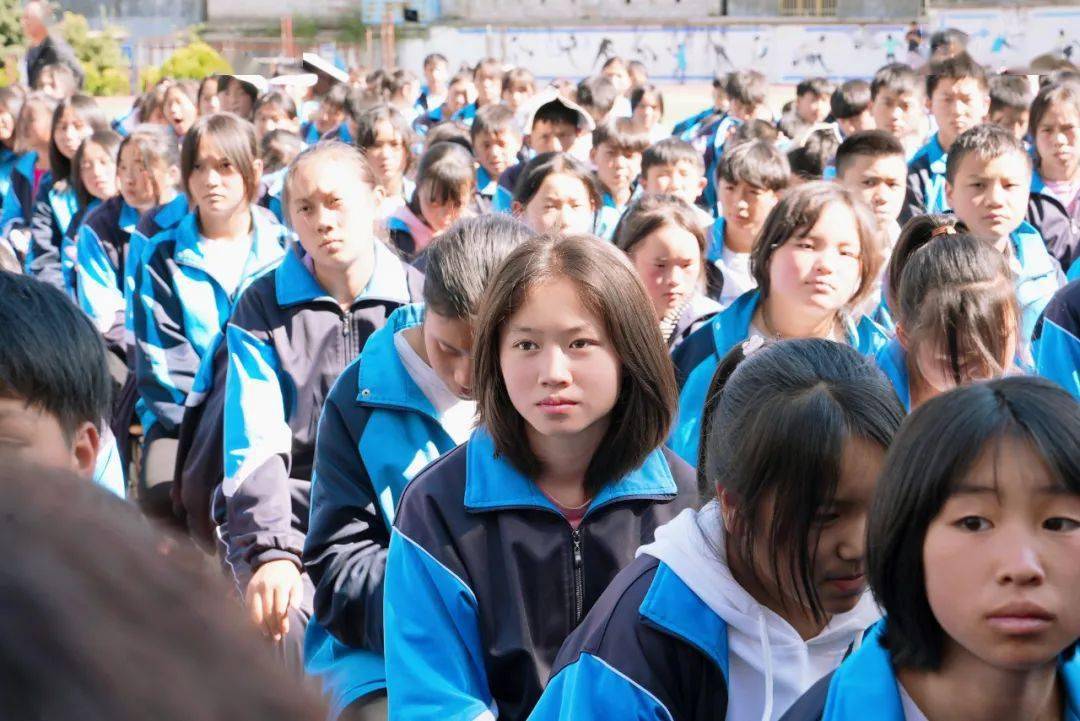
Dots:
(598, 94)
(1009, 92)
(277, 99)
(336, 96)
(952, 40)
(278, 148)
(756, 129)
(866, 143)
(492, 119)
(670, 151)
(108, 141)
(955, 67)
(51, 355)
(556, 113)
(776, 434)
(86, 108)
(986, 142)
(896, 78)
(756, 163)
(537, 170)
(460, 261)
(748, 87)
(446, 174)
(934, 451)
(850, 99)
(640, 91)
(809, 160)
(822, 87)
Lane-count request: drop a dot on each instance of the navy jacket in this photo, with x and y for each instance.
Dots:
(18, 207)
(1056, 344)
(485, 578)
(926, 182)
(1059, 230)
(51, 256)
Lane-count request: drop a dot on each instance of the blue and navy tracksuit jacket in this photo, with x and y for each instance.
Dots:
(378, 430)
(287, 342)
(608, 667)
(1056, 344)
(1059, 230)
(180, 310)
(485, 578)
(688, 128)
(51, 256)
(1036, 276)
(865, 686)
(8, 158)
(106, 284)
(18, 205)
(699, 355)
(717, 133)
(311, 135)
(892, 361)
(926, 182)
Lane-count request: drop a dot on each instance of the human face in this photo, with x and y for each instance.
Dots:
(1000, 561)
(209, 102)
(616, 167)
(648, 112)
(488, 87)
(561, 204)
(180, 112)
(234, 99)
(387, 153)
(435, 74)
(34, 436)
(39, 128)
(857, 124)
(136, 181)
(496, 151)
(821, 269)
(333, 213)
(516, 96)
(745, 208)
(7, 127)
(933, 365)
(896, 112)
(328, 118)
(270, 117)
(1015, 120)
(69, 133)
(881, 183)
(448, 343)
(617, 74)
(668, 261)
(958, 104)
(216, 185)
(1057, 140)
(812, 108)
(682, 179)
(560, 368)
(438, 214)
(991, 196)
(97, 171)
(32, 24)
(458, 96)
(549, 137)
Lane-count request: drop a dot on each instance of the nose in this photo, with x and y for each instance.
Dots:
(1018, 561)
(463, 376)
(995, 195)
(559, 148)
(555, 370)
(852, 546)
(566, 217)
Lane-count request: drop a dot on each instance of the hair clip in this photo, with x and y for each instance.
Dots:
(752, 344)
(943, 230)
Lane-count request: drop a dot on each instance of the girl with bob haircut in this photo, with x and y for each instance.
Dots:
(1054, 205)
(666, 243)
(815, 261)
(502, 546)
(445, 190)
(556, 192)
(386, 137)
(956, 312)
(973, 540)
(33, 139)
(738, 608)
(404, 402)
(189, 279)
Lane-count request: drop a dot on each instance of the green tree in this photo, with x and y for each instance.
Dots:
(10, 29)
(107, 70)
(194, 61)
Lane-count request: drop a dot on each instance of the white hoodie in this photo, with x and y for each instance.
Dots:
(769, 665)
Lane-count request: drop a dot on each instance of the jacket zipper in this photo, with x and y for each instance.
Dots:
(579, 576)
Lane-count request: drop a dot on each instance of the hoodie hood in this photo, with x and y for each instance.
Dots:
(770, 664)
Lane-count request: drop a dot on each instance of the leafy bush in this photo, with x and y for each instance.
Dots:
(194, 61)
(106, 68)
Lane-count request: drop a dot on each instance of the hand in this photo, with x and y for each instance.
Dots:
(272, 591)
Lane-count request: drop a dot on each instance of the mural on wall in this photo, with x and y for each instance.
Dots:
(786, 53)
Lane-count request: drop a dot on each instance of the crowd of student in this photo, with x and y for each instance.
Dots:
(499, 401)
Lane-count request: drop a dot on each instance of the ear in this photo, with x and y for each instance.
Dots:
(701, 184)
(517, 209)
(257, 166)
(592, 154)
(727, 509)
(85, 446)
(902, 336)
(948, 193)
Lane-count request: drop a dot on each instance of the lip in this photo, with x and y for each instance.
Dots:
(1021, 618)
(847, 585)
(821, 286)
(556, 404)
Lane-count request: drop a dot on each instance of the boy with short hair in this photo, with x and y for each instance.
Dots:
(987, 179)
(746, 91)
(459, 93)
(487, 77)
(1010, 103)
(958, 97)
(55, 387)
(329, 117)
(518, 85)
(616, 153)
(402, 87)
(750, 180)
(433, 91)
(896, 101)
(673, 167)
(850, 106)
(496, 142)
(812, 97)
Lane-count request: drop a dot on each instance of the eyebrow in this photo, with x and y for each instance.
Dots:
(1052, 489)
(527, 329)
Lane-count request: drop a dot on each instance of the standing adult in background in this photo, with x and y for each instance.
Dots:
(43, 48)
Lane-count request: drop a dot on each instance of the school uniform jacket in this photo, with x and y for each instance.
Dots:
(378, 430)
(181, 309)
(865, 686)
(18, 205)
(485, 578)
(105, 280)
(288, 341)
(8, 158)
(1059, 230)
(1036, 276)
(1056, 345)
(698, 356)
(51, 256)
(716, 135)
(926, 182)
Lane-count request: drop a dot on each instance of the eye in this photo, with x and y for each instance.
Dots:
(525, 345)
(826, 517)
(581, 343)
(1061, 525)
(973, 524)
(849, 252)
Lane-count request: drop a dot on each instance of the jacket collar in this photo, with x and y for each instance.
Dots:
(296, 284)
(171, 213)
(716, 243)
(892, 360)
(25, 164)
(1038, 185)
(1030, 251)
(383, 379)
(936, 156)
(492, 482)
(266, 246)
(129, 217)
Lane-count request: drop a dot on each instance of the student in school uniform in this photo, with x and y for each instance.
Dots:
(617, 146)
(557, 193)
(445, 191)
(404, 402)
(897, 102)
(503, 545)
(815, 261)
(1054, 205)
(746, 91)
(189, 278)
(738, 608)
(11, 102)
(496, 142)
(1056, 343)
(972, 546)
(30, 171)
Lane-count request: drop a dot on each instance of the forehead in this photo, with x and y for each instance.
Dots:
(1010, 164)
(563, 186)
(322, 175)
(1011, 466)
(966, 86)
(1058, 112)
(554, 304)
(892, 166)
(671, 240)
(837, 223)
(893, 96)
(552, 126)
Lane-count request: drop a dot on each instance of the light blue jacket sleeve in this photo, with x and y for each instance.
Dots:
(590, 689)
(1057, 356)
(434, 663)
(99, 292)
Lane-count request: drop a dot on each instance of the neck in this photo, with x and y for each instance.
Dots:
(167, 196)
(965, 687)
(737, 238)
(621, 196)
(799, 616)
(919, 391)
(42, 162)
(792, 322)
(415, 338)
(565, 460)
(945, 141)
(345, 284)
(393, 186)
(228, 227)
(1059, 174)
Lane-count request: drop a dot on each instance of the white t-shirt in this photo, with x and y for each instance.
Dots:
(911, 711)
(737, 278)
(457, 416)
(227, 260)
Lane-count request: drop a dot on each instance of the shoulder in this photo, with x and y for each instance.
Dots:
(257, 306)
(439, 489)
(103, 216)
(698, 346)
(685, 479)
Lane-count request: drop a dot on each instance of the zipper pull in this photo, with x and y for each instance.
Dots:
(346, 327)
(578, 561)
